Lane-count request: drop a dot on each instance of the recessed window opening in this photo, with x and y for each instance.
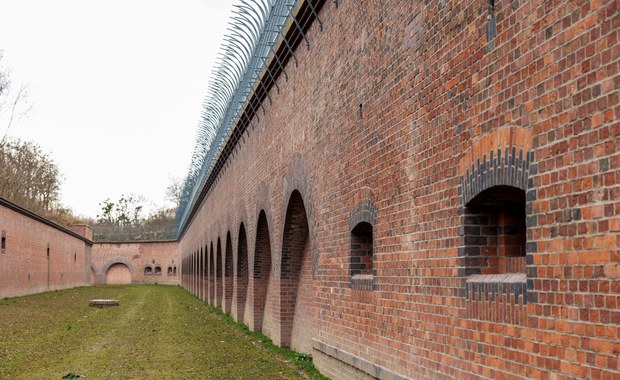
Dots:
(3, 243)
(361, 250)
(491, 21)
(148, 270)
(157, 270)
(169, 271)
(495, 231)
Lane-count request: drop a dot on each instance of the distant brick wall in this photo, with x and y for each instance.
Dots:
(417, 108)
(38, 255)
(147, 262)
(118, 274)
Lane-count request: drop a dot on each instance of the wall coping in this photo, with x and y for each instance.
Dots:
(12, 206)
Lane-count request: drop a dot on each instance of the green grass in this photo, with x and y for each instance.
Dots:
(157, 332)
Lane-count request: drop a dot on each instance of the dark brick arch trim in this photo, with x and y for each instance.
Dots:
(94, 268)
(365, 211)
(118, 260)
(510, 166)
(499, 167)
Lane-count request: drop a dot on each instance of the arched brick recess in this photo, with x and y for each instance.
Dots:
(197, 271)
(205, 272)
(501, 157)
(201, 269)
(185, 271)
(242, 274)
(498, 161)
(364, 213)
(228, 274)
(212, 265)
(118, 274)
(296, 292)
(119, 260)
(296, 179)
(218, 274)
(261, 272)
(190, 270)
(240, 287)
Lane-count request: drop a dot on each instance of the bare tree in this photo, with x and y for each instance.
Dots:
(13, 104)
(28, 176)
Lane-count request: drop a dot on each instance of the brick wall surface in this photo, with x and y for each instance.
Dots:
(140, 260)
(38, 255)
(118, 274)
(416, 107)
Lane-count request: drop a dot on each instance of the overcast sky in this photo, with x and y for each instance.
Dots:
(116, 88)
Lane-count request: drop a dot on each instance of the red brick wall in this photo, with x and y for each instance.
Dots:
(118, 274)
(135, 257)
(399, 114)
(25, 266)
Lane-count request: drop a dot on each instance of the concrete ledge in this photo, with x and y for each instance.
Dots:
(504, 278)
(489, 286)
(103, 303)
(363, 365)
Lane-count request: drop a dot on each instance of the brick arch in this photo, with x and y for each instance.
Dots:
(362, 221)
(93, 267)
(296, 315)
(242, 273)
(502, 157)
(201, 270)
(262, 205)
(119, 260)
(296, 179)
(212, 264)
(192, 260)
(364, 211)
(205, 269)
(261, 272)
(497, 164)
(241, 266)
(218, 274)
(227, 278)
(114, 273)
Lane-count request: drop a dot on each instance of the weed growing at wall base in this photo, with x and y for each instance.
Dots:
(298, 360)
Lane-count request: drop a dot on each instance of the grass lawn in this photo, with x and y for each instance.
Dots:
(157, 332)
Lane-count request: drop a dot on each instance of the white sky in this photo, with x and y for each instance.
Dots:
(116, 88)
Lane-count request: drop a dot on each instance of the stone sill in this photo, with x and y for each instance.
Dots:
(505, 286)
(363, 282)
(503, 278)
